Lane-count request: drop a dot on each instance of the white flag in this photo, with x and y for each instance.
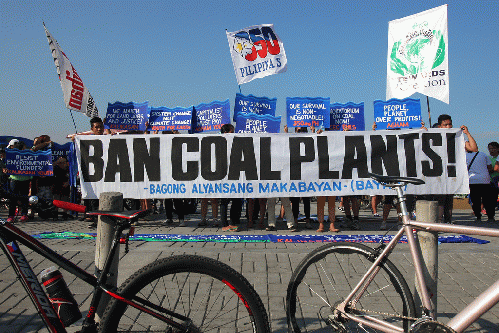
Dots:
(418, 55)
(76, 95)
(256, 52)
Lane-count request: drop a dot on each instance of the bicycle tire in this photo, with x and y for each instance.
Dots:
(213, 295)
(331, 272)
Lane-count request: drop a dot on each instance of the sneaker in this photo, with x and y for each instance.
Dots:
(23, 218)
(492, 220)
(182, 223)
(478, 219)
(168, 222)
(10, 219)
(376, 215)
(341, 209)
(293, 229)
(383, 226)
(92, 225)
(270, 228)
(202, 223)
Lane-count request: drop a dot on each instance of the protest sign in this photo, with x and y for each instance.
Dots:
(347, 117)
(29, 163)
(418, 55)
(397, 113)
(253, 123)
(59, 150)
(307, 111)
(127, 116)
(167, 119)
(270, 165)
(253, 104)
(210, 117)
(256, 52)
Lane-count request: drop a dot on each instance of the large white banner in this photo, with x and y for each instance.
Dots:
(418, 55)
(76, 95)
(270, 165)
(256, 52)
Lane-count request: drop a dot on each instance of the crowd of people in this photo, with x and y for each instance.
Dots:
(483, 178)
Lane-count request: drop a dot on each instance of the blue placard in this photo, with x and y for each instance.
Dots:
(253, 104)
(168, 119)
(210, 117)
(59, 150)
(397, 113)
(254, 123)
(347, 117)
(29, 163)
(127, 116)
(306, 112)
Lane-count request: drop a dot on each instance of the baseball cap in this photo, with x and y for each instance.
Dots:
(13, 142)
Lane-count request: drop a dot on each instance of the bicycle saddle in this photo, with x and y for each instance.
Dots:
(395, 179)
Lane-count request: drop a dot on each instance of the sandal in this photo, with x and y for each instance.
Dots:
(321, 228)
(230, 228)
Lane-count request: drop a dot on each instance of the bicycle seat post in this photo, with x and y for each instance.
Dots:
(402, 199)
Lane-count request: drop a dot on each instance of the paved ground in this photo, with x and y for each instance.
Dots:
(464, 269)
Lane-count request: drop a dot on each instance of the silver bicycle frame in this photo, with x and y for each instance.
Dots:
(463, 319)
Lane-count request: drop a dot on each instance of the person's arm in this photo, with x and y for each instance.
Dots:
(470, 145)
(496, 167)
(41, 146)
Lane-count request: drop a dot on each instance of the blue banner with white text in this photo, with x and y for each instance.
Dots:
(129, 116)
(253, 104)
(170, 119)
(210, 117)
(397, 113)
(29, 163)
(307, 111)
(347, 117)
(253, 123)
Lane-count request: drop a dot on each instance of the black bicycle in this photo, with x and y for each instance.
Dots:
(185, 293)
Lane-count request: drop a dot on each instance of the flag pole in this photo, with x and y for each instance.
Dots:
(74, 124)
(429, 115)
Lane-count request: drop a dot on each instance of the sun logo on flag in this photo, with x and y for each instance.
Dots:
(242, 46)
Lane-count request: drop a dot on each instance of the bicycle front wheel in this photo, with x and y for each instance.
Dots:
(328, 274)
(213, 296)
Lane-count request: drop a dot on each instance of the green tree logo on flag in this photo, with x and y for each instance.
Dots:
(410, 56)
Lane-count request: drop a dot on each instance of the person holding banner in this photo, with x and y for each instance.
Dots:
(18, 187)
(295, 201)
(446, 201)
(288, 213)
(237, 204)
(204, 212)
(97, 128)
(321, 203)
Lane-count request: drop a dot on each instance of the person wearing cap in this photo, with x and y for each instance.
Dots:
(13, 143)
(19, 186)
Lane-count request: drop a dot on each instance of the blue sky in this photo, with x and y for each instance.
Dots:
(175, 53)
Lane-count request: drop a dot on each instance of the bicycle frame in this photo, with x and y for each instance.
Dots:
(10, 235)
(458, 323)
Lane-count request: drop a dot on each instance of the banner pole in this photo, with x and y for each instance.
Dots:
(429, 115)
(74, 124)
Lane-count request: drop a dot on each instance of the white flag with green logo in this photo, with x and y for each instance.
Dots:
(418, 55)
